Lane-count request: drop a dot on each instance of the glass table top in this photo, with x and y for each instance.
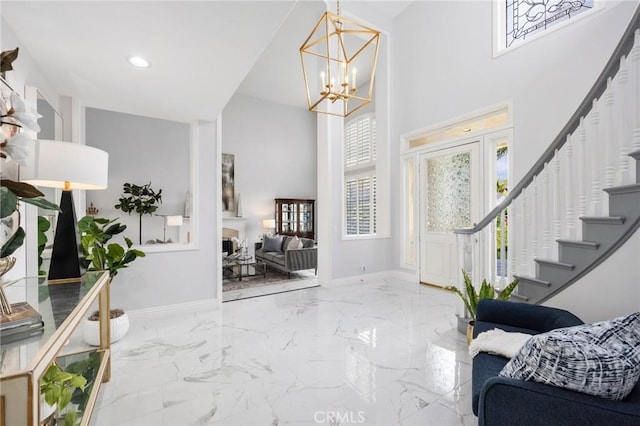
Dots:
(54, 302)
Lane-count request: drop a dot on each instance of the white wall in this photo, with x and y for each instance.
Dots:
(162, 279)
(348, 256)
(141, 150)
(275, 156)
(609, 291)
(444, 68)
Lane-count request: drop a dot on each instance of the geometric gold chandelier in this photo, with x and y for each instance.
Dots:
(337, 56)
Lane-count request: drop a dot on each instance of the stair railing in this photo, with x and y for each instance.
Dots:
(589, 154)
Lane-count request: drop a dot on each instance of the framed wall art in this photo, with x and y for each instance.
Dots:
(228, 182)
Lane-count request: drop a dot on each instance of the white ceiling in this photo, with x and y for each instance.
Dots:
(200, 51)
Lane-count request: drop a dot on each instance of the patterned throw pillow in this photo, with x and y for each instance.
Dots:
(601, 359)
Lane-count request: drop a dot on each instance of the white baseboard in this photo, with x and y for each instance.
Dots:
(359, 279)
(405, 275)
(197, 304)
(402, 275)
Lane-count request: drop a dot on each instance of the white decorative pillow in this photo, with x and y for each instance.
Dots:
(294, 244)
(601, 359)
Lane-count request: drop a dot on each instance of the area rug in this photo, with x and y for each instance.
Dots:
(258, 280)
(274, 282)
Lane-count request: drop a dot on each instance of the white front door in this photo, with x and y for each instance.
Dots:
(450, 198)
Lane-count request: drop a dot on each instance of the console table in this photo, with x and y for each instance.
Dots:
(24, 362)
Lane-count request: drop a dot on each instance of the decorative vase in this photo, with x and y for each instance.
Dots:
(470, 331)
(119, 328)
(238, 206)
(6, 263)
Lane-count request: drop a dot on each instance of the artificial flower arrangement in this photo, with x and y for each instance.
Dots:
(14, 145)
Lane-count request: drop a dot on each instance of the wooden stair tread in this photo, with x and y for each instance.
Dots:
(589, 245)
(604, 220)
(533, 280)
(555, 264)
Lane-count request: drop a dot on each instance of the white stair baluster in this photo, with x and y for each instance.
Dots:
(583, 175)
(593, 136)
(635, 93)
(513, 241)
(569, 191)
(535, 216)
(546, 215)
(503, 255)
(623, 111)
(525, 234)
(558, 190)
(608, 142)
(493, 255)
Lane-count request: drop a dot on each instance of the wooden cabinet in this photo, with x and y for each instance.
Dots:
(23, 362)
(295, 217)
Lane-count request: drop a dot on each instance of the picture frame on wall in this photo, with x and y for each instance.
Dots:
(228, 182)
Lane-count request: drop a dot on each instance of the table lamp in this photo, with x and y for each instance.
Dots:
(171, 221)
(269, 224)
(67, 166)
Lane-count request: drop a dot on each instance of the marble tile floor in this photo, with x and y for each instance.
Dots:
(378, 353)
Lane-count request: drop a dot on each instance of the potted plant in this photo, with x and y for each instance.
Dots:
(103, 256)
(470, 297)
(139, 199)
(56, 389)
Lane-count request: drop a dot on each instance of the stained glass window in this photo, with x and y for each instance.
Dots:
(525, 18)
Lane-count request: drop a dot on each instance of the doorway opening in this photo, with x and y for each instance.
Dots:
(454, 174)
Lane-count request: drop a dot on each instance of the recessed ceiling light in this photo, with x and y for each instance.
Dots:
(137, 61)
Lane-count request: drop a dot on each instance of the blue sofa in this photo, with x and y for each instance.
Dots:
(505, 401)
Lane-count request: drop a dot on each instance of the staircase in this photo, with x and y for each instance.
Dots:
(602, 235)
(579, 202)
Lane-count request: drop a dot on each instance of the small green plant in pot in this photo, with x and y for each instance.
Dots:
(100, 255)
(57, 388)
(139, 199)
(470, 297)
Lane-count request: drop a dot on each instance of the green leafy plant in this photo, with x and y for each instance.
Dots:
(101, 255)
(139, 199)
(11, 193)
(487, 291)
(58, 386)
(87, 368)
(43, 226)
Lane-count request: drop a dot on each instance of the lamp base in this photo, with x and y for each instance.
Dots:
(65, 257)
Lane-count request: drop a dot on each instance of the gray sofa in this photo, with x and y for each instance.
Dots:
(288, 260)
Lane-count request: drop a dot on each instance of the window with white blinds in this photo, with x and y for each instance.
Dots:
(359, 176)
(360, 141)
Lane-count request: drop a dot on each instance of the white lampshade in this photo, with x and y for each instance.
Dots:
(53, 164)
(173, 221)
(268, 223)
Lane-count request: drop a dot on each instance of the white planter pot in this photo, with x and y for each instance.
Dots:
(119, 328)
(46, 410)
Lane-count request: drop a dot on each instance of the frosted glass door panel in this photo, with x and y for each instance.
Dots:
(448, 192)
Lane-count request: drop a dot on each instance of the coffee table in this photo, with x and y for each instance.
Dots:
(244, 266)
